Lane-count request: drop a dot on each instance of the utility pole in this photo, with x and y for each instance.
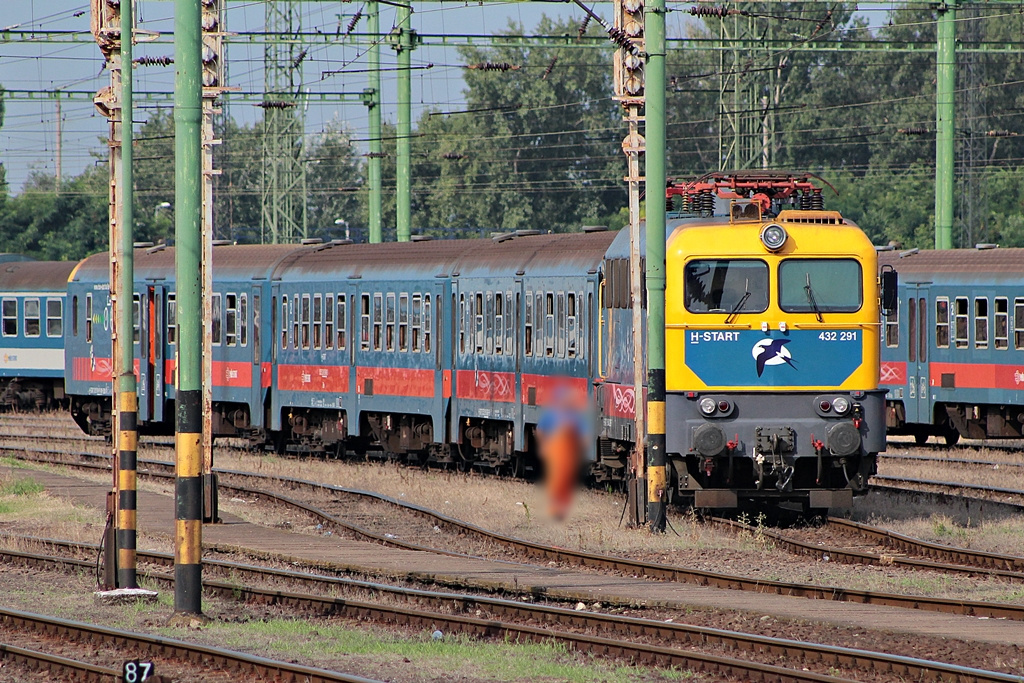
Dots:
(60, 141)
(945, 126)
(188, 195)
(403, 40)
(112, 30)
(629, 91)
(213, 15)
(372, 100)
(655, 190)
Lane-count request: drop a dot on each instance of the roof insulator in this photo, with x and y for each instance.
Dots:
(986, 245)
(310, 240)
(526, 233)
(420, 238)
(142, 245)
(502, 236)
(884, 247)
(595, 228)
(223, 243)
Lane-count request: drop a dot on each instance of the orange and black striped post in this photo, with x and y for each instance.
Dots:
(188, 196)
(127, 479)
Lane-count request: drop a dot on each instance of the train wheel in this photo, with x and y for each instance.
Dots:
(952, 437)
(920, 438)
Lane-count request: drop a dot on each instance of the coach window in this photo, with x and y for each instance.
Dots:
(137, 318)
(342, 322)
(417, 321)
(560, 325)
(427, 323)
(478, 315)
(88, 319)
(1001, 338)
(489, 324)
(284, 322)
(1018, 324)
(942, 323)
(726, 286)
(499, 322)
(378, 322)
(892, 327)
(54, 317)
(528, 326)
(981, 322)
(243, 319)
(570, 324)
(318, 320)
(32, 323)
(329, 321)
(74, 315)
(172, 319)
(961, 329)
(230, 319)
(364, 322)
(820, 286)
(510, 317)
(304, 321)
(216, 318)
(549, 324)
(389, 329)
(403, 322)
(462, 323)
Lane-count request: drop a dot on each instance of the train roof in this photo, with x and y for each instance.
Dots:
(35, 276)
(241, 262)
(508, 255)
(915, 265)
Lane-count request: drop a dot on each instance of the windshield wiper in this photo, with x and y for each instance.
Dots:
(737, 307)
(811, 300)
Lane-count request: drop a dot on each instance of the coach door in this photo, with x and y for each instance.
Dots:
(256, 381)
(917, 403)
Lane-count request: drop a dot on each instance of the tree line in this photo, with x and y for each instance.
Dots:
(537, 145)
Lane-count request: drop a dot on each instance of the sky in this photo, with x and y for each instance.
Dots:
(28, 137)
(29, 134)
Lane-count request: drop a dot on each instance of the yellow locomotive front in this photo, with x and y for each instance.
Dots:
(772, 316)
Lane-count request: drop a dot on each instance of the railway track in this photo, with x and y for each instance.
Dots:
(948, 559)
(525, 548)
(445, 607)
(89, 638)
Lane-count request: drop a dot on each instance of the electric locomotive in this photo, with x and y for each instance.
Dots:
(772, 320)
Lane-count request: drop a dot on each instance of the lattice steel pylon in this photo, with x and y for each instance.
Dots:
(283, 213)
(749, 90)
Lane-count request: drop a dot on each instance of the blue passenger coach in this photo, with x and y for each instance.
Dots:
(953, 352)
(32, 295)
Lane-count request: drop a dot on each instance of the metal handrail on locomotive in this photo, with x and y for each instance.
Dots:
(772, 320)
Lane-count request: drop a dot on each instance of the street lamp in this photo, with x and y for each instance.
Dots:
(342, 221)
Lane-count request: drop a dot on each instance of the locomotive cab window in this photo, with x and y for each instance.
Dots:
(726, 286)
(820, 286)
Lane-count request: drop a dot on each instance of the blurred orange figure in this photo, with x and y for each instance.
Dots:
(560, 433)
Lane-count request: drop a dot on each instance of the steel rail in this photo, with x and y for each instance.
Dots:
(952, 461)
(950, 485)
(55, 664)
(591, 560)
(954, 560)
(170, 647)
(826, 655)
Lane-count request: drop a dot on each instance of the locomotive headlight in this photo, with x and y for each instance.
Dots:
(708, 406)
(773, 236)
(841, 405)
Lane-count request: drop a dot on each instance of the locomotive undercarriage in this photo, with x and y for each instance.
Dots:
(92, 414)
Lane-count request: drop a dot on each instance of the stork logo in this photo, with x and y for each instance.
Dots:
(771, 352)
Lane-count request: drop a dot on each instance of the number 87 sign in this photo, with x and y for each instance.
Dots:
(135, 671)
